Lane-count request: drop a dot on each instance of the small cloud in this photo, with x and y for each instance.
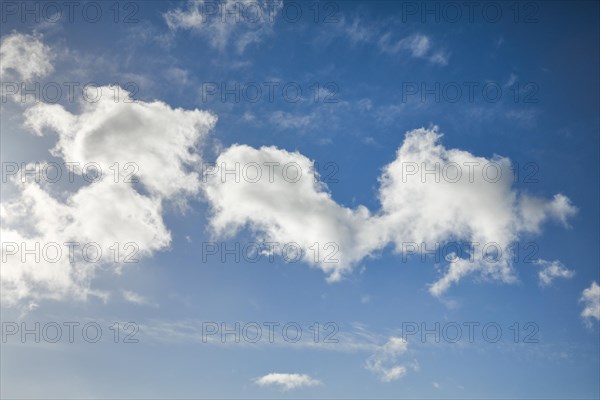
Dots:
(287, 381)
(590, 297)
(370, 141)
(248, 116)
(512, 79)
(25, 56)
(439, 57)
(223, 31)
(551, 270)
(365, 299)
(178, 76)
(418, 45)
(435, 385)
(384, 362)
(365, 104)
(357, 32)
(499, 41)
(135, 298)
(523, 117)
(285, 120)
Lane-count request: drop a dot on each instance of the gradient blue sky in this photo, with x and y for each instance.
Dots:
(370, 52)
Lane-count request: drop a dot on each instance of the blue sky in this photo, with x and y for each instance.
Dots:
(371, 90)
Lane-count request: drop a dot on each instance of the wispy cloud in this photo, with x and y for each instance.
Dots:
(385, 361)
(136, 298)
(220, 27)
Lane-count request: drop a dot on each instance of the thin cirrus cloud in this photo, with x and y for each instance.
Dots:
(387, 356)
(415, 45)
(211, 20)
(385, 361)
(285, 381)
(418, 45)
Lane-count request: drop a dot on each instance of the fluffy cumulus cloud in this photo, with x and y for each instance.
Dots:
(275, 194)
(466, 198)
(429, 196)
(287, 381)
(99, 215)
(551, 270)
(240, 22)
(160, 144)
(157, 140)
(385, 361)
(24, 57)
(591, 301)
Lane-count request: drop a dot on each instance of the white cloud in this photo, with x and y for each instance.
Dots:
(384, 362)
(285, 120)
(418, 45)
(283, 210)
(24, 57)
(237, 21)
(287, 381)
(591, 300)
(356, 31)
(160, 140)
(551, 270)
(135, 298)
(478, 206)
(178, 76)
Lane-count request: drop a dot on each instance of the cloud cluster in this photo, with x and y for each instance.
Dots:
(475, 203)
(164, 146)
(161, 142)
